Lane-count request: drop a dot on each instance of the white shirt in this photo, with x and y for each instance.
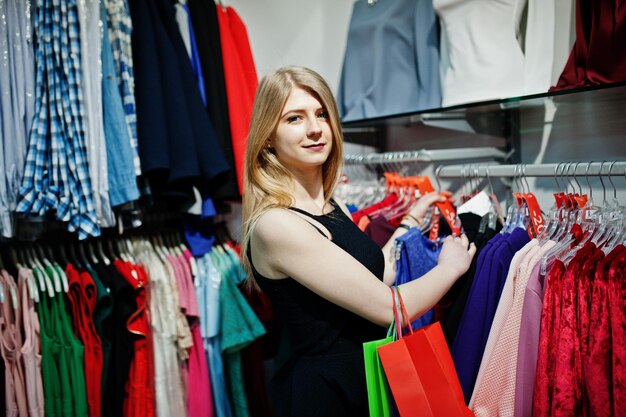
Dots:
(481, 57)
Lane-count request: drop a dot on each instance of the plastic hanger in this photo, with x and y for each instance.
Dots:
(565, 239)
(83, 256)
(91, 252)
(619, 231)
(103, 256)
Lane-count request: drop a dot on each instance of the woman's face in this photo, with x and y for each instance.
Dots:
(303, 139)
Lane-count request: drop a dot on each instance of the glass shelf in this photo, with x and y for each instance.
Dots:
(563, 125)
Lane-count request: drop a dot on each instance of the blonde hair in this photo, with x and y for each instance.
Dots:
(264, 177)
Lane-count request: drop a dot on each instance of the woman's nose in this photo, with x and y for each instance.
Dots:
(313, 128)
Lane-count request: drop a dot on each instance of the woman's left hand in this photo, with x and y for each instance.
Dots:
(419, 209)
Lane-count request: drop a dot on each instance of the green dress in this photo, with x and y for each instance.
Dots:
(50, 354)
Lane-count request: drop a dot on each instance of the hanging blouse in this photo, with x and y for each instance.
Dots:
(207, 34)
(598, 361)
(177, 141)
(529, 338)
(31, 351)
(241, 81)
(597, 56)
(163, 311)
(122, 179)
(82, 299)
(17, 102)
(418, 256)
(617, 300)
(391, 63)
(57, 171)
(489, 381)
(120, 27)
(473, 331)
(91, 86)
(10, 345)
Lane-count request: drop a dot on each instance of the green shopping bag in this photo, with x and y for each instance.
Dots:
(378, 394)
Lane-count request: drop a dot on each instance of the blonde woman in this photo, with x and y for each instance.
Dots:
(327, 280)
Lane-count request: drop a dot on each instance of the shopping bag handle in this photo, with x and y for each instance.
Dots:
(395, 326)
(405, 314)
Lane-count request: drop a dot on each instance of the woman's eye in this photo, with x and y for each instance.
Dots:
(323, 115)
(292, 119)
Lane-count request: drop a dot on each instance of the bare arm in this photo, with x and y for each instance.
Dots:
(287, 245)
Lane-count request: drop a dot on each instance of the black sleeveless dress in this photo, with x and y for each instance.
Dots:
(325, 372)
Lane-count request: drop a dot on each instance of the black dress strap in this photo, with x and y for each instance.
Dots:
(313, 216)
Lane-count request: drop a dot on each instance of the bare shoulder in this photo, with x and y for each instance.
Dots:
(343, 206)
(279, 235)
(279, 227)
(277, 224)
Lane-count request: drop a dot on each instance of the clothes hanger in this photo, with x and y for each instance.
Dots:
(590, 216)
(74, 257)
(103, 256)
(83, 256)
(619, 229)
(552, 214)
(91, 251)
(565, 237)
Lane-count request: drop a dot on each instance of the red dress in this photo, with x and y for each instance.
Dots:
(567, 376)
(241, 81)
(597, 363)
(140, 400)
(617, 301)
(550, 326)
(82, 295)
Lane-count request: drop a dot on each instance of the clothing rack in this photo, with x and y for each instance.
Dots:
(424, 155)
(562, 169)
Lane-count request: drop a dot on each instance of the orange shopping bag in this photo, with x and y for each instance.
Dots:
(421, 374)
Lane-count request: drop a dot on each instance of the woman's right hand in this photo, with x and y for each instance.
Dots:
(456, 254)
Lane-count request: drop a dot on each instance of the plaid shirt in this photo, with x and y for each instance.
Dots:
(56, 174)
(120, 30)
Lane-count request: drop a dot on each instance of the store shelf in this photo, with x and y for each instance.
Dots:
(577, 114)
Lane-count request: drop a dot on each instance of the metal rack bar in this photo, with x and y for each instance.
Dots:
(579, 169)
(424, 155)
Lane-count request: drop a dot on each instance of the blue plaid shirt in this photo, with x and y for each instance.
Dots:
(120, 30)
(56, 174)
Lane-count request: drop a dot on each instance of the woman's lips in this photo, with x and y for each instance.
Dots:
(316, 147)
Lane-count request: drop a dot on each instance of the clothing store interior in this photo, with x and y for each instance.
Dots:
(124, 127)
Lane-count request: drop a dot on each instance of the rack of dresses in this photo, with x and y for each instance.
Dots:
(537, 325)
(124, 326)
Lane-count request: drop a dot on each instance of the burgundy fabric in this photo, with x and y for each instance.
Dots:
(598, 55)
(597, 363)
(566, 398)
(380, 230)
(617, 300)
(550, 326)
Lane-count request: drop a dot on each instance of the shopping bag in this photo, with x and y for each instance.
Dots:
(421, 374)
(378, 396)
